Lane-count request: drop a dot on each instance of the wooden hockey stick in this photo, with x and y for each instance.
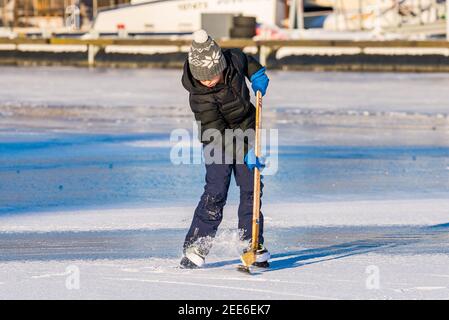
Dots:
(249, 257)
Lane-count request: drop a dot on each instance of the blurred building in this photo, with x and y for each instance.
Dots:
(49, 13)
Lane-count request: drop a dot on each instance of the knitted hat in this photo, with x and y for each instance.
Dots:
(206, 59)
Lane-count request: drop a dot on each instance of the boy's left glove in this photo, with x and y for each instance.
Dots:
(252, 161)
(259, 81)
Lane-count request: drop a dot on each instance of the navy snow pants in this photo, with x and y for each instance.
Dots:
(209, 212)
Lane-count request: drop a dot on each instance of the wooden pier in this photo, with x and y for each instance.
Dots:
(262, 48)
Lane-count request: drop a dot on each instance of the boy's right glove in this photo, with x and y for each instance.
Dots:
(259, 81)
(252, 161)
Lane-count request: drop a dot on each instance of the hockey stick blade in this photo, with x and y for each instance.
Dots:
(243, 269)
(248, 258)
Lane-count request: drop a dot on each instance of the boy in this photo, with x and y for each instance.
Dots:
(220, 100)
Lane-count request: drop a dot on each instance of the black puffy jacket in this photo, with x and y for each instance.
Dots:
(227, 105)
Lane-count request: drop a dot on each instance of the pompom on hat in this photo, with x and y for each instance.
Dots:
(206, 58)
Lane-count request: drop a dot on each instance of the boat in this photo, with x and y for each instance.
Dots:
(182, 17)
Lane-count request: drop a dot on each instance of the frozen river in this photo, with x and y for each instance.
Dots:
(65, 170)
(86, 183)
(91, 137)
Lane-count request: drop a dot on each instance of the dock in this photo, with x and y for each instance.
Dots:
(304, 54)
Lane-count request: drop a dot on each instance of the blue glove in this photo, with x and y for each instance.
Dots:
(259, 81)
(252, 161)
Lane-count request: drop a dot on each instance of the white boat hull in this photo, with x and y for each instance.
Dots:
(182, 16)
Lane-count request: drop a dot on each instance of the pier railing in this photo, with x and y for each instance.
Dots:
(263, 47)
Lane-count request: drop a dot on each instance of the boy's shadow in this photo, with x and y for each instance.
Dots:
(297, 258)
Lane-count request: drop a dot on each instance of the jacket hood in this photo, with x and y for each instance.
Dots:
(194, 86)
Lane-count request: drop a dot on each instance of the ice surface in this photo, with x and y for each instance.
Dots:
(307, 108)
(86, 183)
(66, 86)
(326, 277)
(313, 260)
(59, 171)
